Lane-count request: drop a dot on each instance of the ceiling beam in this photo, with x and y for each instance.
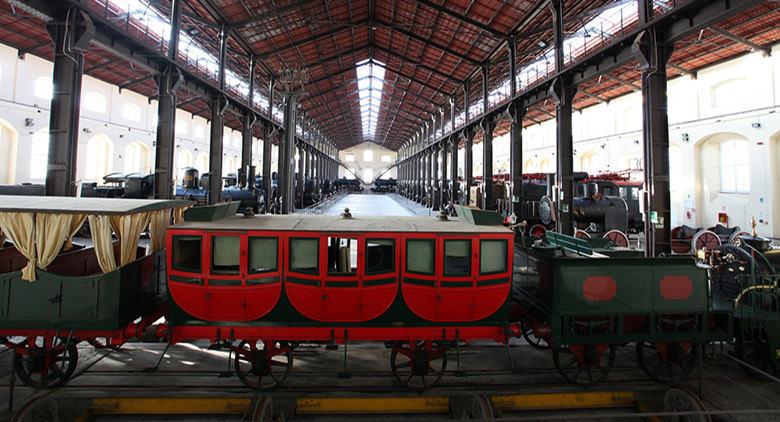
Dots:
(429, 42)
(420, 65)
(484, 27)
(623, 82)
(313, 37)
(741, 40)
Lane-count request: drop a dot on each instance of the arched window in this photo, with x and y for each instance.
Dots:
(198, 132)
(368, 155)
(544, 166)
(131, 112)
(9, 138)
(100, 157)
(43, 87)
(95, 102)
(39, 155)
(137, 158)
(735, 166)
(386, 159)
(590, 162)
(202, 163)
(181, 127)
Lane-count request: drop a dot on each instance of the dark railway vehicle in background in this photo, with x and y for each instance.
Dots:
(348, 185)
(194, 187)
(270, 282)
(384, 185)
(119, 185)
(57, 294)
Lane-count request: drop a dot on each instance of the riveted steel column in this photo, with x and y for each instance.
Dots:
(71, 32)
(653, 54)
(517, 112)
(487, 164)
(300, 179)
(218, 104)
(286, 154)
(434, 157)
(468, 165)
(247, 122)
(444, 188)
(563, 93)
(454, 178)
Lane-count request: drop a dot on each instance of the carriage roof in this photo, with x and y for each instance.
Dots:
(356, 224)
(72, 205)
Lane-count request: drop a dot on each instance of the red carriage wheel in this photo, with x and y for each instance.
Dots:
(680, 244)
(584, 364)
(43, 362)
(531, 338)
(617, 237)
(705, 239)
(418, 366)
(263, 365)
(537, 231)
(581, 234)
(667, 362)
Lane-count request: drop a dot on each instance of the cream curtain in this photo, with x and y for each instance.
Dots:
(76, 222)
(2, 238)
(20, 228)
(128, 229)
(100, 226)
(178, 214)
(51, 232)
(158, 223)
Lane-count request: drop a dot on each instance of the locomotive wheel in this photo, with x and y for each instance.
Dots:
(617, 237)
(734, 238)
(537, 231)
(584, 364)
(680, 245)
(667, 362)
(581, 234)
(704, 239)
(419, 366)
(46, 362)
(536, 342)
(263, 365)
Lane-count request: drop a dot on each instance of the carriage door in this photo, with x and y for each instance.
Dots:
(418, 285)
(186, 272)
(494, 274)
(456, 299)
(263, 273)
(341, 293)
(225, 292)
(379, 282)
(302, 274)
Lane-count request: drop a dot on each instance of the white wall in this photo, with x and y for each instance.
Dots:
(739, 97)
(354, 158)
(18, 102)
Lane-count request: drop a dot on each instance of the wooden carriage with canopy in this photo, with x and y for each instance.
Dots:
(55, 293)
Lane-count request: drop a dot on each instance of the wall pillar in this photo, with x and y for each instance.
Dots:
(517, 112)
(454, 178)
(217, 105)
(71, 31)
(488, 202)
(468, 164)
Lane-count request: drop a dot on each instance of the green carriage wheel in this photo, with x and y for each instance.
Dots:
(46, 363)
(752, 348)
(668, 362)
(584, 364)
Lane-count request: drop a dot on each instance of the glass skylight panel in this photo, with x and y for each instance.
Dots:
(370, 78)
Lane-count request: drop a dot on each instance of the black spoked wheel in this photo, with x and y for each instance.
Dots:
(102, 344)
(419, 366)
(263, 365)
(46, 362)
(668, 362)
(584, 364)
(532, 339)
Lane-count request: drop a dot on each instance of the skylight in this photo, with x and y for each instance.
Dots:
(371, 79)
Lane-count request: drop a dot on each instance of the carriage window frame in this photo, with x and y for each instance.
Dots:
(505, 248)
(433, 256)
(316, 270)
(249, 255)
(350, 241)
(214, 271)
(468, 257)
(383, 271)
(175, 265)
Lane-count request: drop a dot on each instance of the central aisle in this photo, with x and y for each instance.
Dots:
(367, 205)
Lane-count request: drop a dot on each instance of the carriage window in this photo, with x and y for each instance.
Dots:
(186, 253)
(225, 254)
(493, 258)
(457, 257)
(304, 255)
(342, 256)
(380, 256)
(419, 256)
(262, 254)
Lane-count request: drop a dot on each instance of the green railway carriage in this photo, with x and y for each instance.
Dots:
(583, 304)
(54, 293)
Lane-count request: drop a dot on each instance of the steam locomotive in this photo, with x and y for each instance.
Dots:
(194, 187)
